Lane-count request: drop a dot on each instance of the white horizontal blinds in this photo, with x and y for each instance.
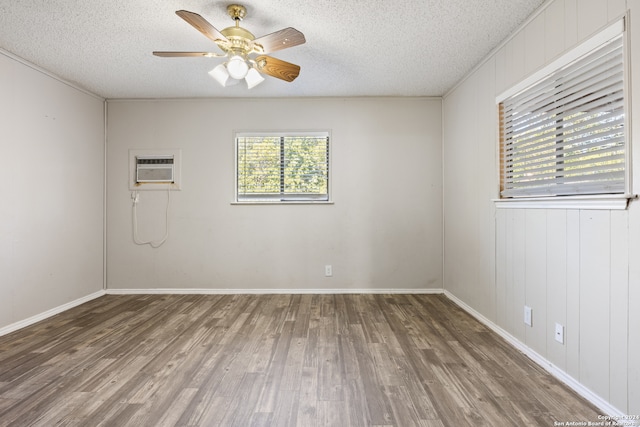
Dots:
(565, 134)
(291, 167)
(258, 165)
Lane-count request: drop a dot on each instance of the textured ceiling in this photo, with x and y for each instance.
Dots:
(354, 48)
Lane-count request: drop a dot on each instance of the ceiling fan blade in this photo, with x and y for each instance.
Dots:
(279, 40)
(278, 68)
(183, 54)
(202, 25)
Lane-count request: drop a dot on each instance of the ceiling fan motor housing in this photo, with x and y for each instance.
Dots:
(239, 40)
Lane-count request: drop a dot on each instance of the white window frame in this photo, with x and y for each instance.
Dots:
(598, 201)
(275, 199)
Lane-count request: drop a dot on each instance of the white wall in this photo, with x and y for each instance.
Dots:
(384, 230)
(51, 215)
(576, 267)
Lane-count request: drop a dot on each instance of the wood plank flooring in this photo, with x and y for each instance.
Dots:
(273, 360)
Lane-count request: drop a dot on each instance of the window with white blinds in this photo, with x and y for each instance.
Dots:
(282, 167)
(565, 134)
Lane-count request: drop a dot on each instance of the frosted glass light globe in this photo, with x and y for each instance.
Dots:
(237, 67)
(253, 78)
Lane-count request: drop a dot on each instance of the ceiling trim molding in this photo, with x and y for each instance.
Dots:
(41, 70)
(491, 54)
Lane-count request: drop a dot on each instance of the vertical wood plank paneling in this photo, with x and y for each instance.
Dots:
(587, 260)
(556, 284)
(633, 387)
(619, 309)
(500, 59)
(509, 293)
(536, 277)
(570, 23)
(487, 164)
(634, 313)
(509, 73)
(595, 265)
(514, 59)
(534, 38)
(517, 298)
(572, 331)
(616, 8)
(554, 30)
(501, 267)
(472, 242)
(592, 15)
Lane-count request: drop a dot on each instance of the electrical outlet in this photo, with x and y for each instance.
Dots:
(528, 316)
(328, 271)
(559, 335)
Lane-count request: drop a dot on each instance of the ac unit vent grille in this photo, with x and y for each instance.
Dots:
(155, 161)
(154, 169)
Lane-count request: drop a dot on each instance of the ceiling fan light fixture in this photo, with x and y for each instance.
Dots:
(253, 78)
(237, 67)
(238, 45)
(220, 74)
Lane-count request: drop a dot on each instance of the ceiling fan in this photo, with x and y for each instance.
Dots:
(241, 47)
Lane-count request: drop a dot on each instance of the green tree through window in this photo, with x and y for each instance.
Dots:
(285, 167)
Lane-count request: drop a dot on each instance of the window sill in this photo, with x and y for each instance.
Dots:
(285, 202)
(608, 202)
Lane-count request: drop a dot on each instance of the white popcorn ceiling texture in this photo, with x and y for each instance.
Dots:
(353, 48)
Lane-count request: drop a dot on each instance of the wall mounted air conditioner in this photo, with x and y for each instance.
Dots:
(158, 169)
(155, 169)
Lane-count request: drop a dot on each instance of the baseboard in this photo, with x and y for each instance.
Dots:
(201, 291)
(558, 373)
(49, 313)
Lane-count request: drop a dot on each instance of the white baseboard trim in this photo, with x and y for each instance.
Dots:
(561, 375)
(202, 291)
(49, 313)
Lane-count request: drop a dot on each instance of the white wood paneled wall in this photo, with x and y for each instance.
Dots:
(572, 268)
(579, 268)
(559, 27)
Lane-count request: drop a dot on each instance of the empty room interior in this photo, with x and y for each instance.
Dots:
(280, 213)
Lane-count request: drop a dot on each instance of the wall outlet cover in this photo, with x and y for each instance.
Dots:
(559, 333)
(328, 271)
(528, 316)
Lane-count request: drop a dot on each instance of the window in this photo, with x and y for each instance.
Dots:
(282, 167)
(565, 134)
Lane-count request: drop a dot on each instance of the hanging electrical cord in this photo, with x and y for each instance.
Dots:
(136, 198)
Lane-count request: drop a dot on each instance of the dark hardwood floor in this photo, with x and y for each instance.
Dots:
(273, 360)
